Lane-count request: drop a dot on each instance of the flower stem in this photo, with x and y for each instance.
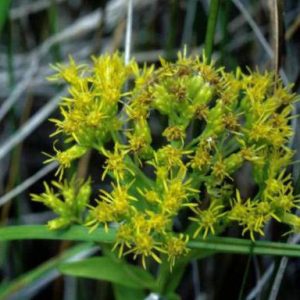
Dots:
(211, 28)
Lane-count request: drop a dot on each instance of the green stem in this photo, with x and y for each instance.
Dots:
(53, 25)
(211, 28)
(173, 26)
(224, 17)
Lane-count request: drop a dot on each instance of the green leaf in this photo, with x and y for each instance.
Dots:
(173, 296)
(125, 293)
(42, 232)
(4, 9)
(105, 268)
(8, 289)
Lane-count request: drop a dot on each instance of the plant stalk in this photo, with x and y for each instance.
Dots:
(211, 28)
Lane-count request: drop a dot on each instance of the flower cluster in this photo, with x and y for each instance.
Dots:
(67, 199)
(169, 187)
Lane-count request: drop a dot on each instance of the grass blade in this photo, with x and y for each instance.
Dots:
(41, 232)
(31, 124)
(243, 246)
(4, 9)
(211, 28)
(215, 244)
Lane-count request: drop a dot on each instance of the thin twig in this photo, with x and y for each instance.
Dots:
(261, 283)
(276, 12)
(269, 51)
(31, 124)
(189, 22)
(30, 8)
(266, 46)
(254, 27)
(79, 27)
(27, 183)
(82, 26)
(30, 290)
(128, 32)
(196, 279)
(20, 88)
(281, 270)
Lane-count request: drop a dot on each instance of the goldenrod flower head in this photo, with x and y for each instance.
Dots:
(183, 171)
(145, 246)
(173, 133)
(68, 201)
(101, 214)
(115, 162)
(64, 158)
(70, 73)
(150, 195)
(159, 223)
(207, 220)
(119, 199)
(176, 246)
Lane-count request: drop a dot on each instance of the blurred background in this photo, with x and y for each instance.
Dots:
(36, 33)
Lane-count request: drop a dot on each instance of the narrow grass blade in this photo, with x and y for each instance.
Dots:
(215, 244)
(4, 9)
(211, 28)
(41, 232)
(243, 246)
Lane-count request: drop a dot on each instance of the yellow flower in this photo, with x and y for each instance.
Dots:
(119, 199)
(214, 123)
(207, 219)
(103, 213)
(64, 158)
(145, 246)
(173, 133)
(176, 246)
(124, 238)
(158, 222)
(115, 163)
(68, 73)
(175, 195)
(67, 199)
